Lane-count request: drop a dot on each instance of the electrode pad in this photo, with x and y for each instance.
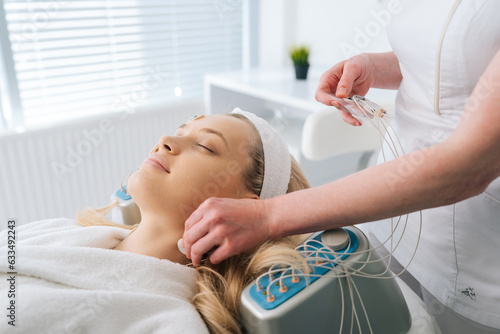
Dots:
(179, 246)
(296, 282)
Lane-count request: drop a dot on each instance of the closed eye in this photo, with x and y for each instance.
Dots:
(206, 148)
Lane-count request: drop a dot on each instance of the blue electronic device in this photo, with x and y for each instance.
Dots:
(351, 291)
(260, 295)
(122, 194)
(126, 211)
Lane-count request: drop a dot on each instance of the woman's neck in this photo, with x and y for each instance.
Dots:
(155, 237)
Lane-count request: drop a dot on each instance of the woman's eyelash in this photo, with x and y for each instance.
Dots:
(206, 148)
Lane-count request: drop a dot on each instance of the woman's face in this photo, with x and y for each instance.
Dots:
(205, 158)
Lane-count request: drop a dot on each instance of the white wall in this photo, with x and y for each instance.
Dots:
(333, 29)
(56, 172)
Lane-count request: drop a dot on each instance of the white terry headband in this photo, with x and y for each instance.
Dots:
(277, 162)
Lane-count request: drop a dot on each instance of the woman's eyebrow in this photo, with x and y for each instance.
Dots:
(209, 130)
(215, 132)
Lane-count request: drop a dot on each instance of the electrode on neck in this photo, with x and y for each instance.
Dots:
(179, 246)
(126, 211)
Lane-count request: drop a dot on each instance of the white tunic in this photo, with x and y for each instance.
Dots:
(458, 258)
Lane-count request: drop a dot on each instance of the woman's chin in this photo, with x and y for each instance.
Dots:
(142, 185)
(152, 194)
(132, 183)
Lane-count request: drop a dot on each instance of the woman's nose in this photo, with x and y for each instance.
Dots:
(169, 144)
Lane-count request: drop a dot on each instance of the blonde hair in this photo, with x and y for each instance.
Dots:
(220, 285)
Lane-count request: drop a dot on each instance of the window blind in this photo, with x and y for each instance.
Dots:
(75, 58)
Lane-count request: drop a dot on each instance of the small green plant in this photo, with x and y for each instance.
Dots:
(299, 55)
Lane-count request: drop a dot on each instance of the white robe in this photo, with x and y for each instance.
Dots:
(69, 280)
(458, 256)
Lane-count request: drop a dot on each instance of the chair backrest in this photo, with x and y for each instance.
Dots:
(325, 135)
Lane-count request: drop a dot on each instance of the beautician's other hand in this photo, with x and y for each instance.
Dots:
(349, 77)
(355, 76)
(231, 225)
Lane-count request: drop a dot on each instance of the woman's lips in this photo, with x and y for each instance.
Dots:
(157, 161)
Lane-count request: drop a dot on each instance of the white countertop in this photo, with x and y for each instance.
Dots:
(280, 86)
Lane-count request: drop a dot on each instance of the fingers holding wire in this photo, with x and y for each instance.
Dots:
(202, 249)
(345, 113)
(197, 242)
(196, 239)
(228, 225)
(349, 119)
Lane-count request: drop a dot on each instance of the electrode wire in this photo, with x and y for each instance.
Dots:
(318, 254)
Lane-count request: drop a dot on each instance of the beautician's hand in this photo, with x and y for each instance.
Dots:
(231, 225)
(355, 76)
(349, 77)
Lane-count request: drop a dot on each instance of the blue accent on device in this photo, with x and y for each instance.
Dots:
(121, 194)
(260, 297)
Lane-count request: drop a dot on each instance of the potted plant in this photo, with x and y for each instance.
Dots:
(300, 58)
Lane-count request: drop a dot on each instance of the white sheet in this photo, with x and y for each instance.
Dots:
(69, 280)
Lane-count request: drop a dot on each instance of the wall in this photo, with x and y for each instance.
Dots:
(56, 172)
(334, 29)
(32, 188)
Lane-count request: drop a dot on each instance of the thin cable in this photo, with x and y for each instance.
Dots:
(354, 313)
(378, 129)
(342, 315)
(337, 268)
(362, 305)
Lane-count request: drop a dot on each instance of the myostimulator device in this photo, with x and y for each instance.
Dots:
(348, 290)
(126, 211)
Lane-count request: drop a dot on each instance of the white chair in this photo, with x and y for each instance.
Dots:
(325, 135)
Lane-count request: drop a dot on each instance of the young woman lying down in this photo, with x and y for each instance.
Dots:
(95, 276)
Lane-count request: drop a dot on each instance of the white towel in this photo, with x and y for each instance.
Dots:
(69, 280)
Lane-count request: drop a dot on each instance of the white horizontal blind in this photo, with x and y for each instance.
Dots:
(76, 58)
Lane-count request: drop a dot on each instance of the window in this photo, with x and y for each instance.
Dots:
(68, 59)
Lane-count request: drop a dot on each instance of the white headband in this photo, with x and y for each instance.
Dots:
(277, 162)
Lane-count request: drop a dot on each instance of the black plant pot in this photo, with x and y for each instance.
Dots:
(301, 71)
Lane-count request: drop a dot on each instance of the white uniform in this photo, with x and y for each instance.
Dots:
(458, 259)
